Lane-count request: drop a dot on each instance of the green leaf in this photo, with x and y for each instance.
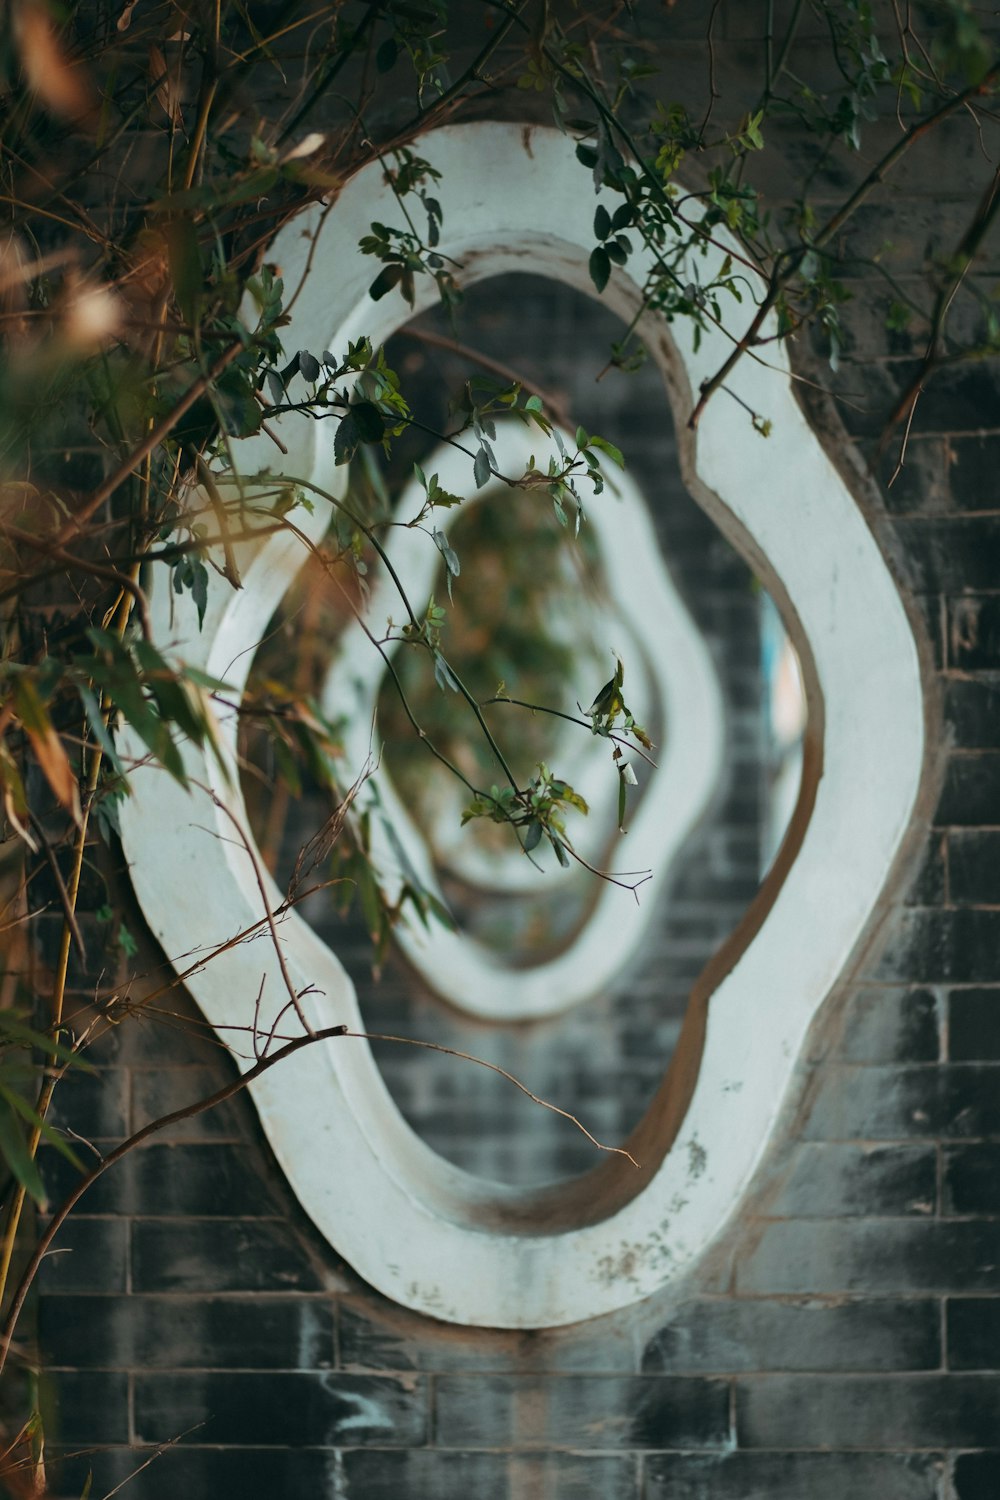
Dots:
(443, 675)
(95, 719)
(481, 468)
(385, 281)
(309, 366)
(371, 901)
(368, 421)
(615, 454)
(31, 1116)
(385, 57)
(600, 268)
(560, 850)
(14, 1151)
(15, 1032)
(602, 222)
(345, 444)
(533, 836)
(449, 554)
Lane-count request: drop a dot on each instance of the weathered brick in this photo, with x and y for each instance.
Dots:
(89, 1255)
(926, 886)
(85, 1406)
(977, 1476)
(431, 1475)
(933, 947)
(887, 1411)
(890, 1025)
(971, 1179)
(960, 1100)
(974, 1024)
(952, 553)
(94, 1104)
(878, 1256)
(723, 1336)
(973, 1333)
(975, 471)
(322, 1410)
(383, 1337)
(793, 1476)
(831, 1181)
(954, 399)
(176, 1332)
(970, 796)
(972, 712)
(921, 485)
(974, 867)
(580, 1411)
(207, 1179)
(195, 1473)
(159, 1091)
(974, 632)
(219, 1255)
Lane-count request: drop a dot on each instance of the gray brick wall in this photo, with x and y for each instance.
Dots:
(841, 1339)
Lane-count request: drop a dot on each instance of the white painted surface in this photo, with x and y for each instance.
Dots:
(421, 1231)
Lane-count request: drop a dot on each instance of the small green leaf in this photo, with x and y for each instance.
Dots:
(385, 281)
(600, 268)
(560, 850)
(481, 468)
(533, 836)
(309, 366)
(14, 1151)
(368, 421)
(345, 444)
(615, 454)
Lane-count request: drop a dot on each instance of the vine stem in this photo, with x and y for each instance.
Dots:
(187, 1112)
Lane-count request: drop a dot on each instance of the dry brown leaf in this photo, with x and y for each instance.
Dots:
(166, 85)
(48, 747)
(125, 19)
(15, 803)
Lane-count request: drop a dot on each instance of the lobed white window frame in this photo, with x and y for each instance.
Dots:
(671, 680)
(426, 1234)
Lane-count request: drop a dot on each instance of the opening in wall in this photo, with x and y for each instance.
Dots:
(537, 614)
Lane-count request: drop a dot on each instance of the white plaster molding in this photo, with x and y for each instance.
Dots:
(424, 1233)
(671, 679)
